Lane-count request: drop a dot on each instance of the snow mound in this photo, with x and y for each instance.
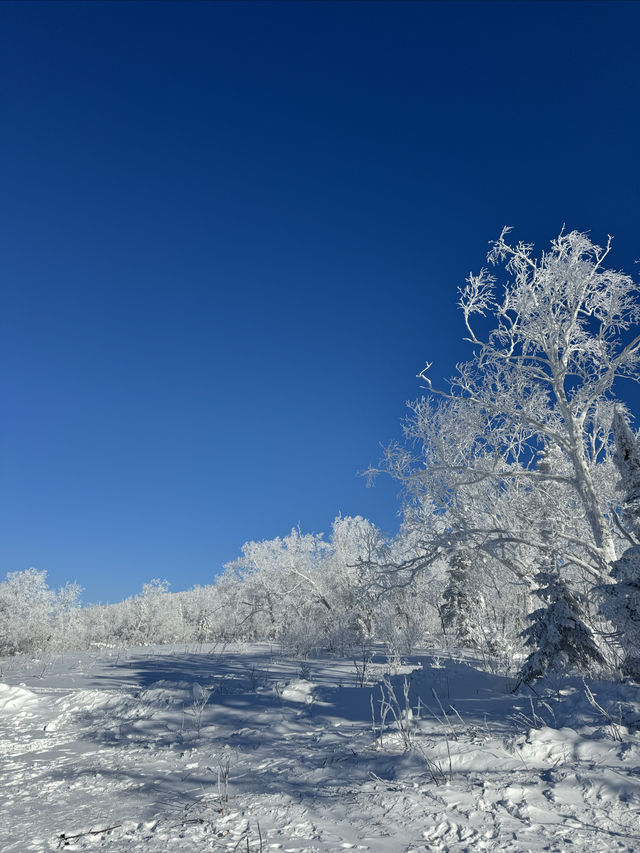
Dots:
(298, 691)
(547, 746)
(14, 700)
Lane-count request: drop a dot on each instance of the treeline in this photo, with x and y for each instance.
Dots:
(302, 591)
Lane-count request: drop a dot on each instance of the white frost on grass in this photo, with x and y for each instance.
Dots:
(106, 751)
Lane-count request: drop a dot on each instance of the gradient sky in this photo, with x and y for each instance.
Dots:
(232, 235)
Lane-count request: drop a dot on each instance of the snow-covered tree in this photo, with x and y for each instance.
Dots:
(283, 587)
(627, 461)
(157, 615)
(26, 603)
(559, 639)
(621, 606)
(65, 617)
(457, 609)
(540, 381)
(621, 599)
(34, 617)
(202, 613)
(357, 546)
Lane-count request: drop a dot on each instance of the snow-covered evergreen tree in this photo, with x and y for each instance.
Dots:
(456, 611)
(627, 461)
(621, 606)
(558, 637)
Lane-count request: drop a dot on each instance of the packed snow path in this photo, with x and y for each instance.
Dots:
(164, 750)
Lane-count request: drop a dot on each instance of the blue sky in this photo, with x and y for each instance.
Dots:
(232, 235)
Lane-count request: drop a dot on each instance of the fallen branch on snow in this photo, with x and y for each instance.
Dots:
(66, 838)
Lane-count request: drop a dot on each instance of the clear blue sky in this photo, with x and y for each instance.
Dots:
(232, 235)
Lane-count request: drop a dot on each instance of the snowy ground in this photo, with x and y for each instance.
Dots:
(115, 750)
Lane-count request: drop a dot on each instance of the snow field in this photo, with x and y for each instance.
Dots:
(164, 750)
